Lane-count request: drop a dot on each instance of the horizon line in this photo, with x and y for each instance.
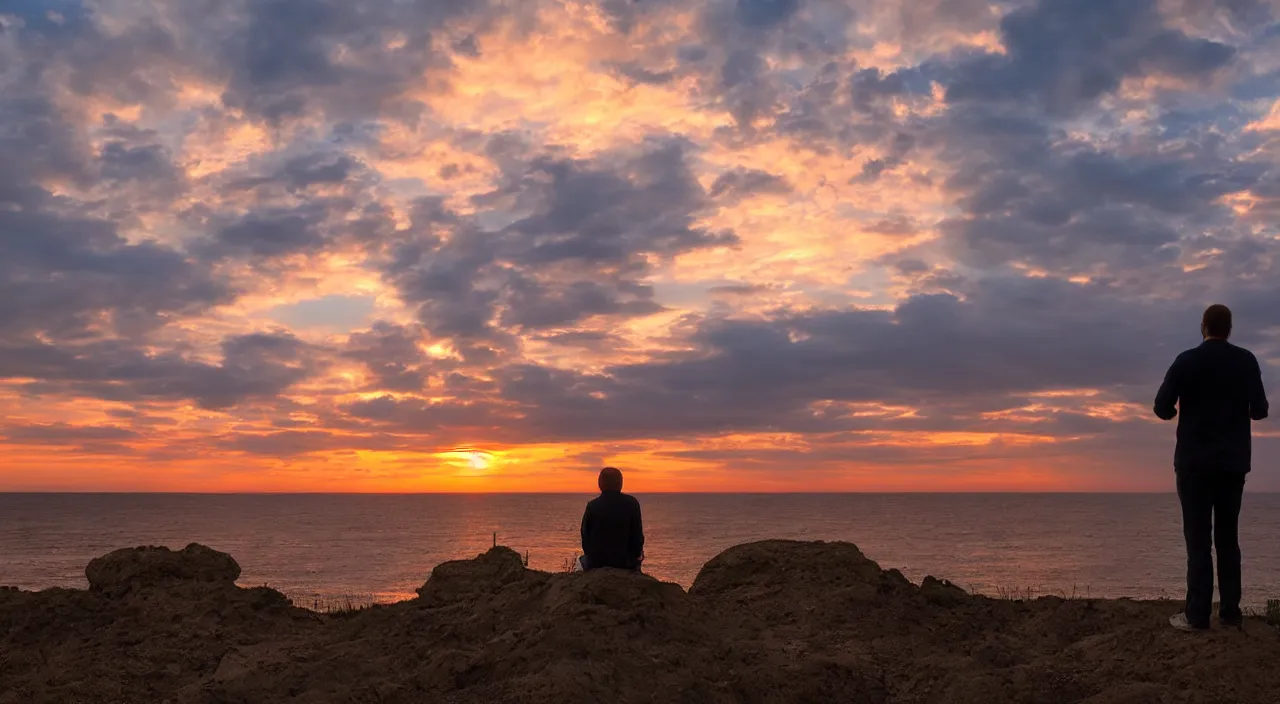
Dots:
(67, 492)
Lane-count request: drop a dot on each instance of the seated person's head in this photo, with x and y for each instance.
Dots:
(610, 479)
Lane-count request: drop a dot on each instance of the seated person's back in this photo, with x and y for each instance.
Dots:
(612, 532)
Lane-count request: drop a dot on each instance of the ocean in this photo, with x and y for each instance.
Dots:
(324, 548)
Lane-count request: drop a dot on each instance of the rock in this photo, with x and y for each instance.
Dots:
(467, 579)
(775, 564)
(941, 591)
(131, 569)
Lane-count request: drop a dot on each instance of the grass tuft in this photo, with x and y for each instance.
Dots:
(339, 605)
(1076, 593)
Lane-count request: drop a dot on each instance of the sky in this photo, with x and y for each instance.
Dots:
(732, 245)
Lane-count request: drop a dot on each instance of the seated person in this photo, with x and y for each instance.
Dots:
(612, 535)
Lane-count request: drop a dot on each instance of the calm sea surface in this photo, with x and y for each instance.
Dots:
(382, 547)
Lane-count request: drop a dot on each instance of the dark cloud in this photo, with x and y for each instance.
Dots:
(896, 153)
(468, 46)
(533, 305)
(582, 249)
(69, 276)
(66, 269)
(150, 162)
(911, 266)
(741, 182)
(738, 289)
(766, 13)
(65, 41)
(637, 73)
(392, 354)
(254, 366)
(595, 340)
(611, 214)
(320, 168)
(37, 143)
(871, 87)
(921, 19)
(951, 358)
(1065, 54)
(87, 439)
(742, 40)
(447, 422)
(1032, 195)
(895, 226)
(294, 443)
(296, 173)
(283, 54)
(51, 18)
(64, 433)
(270, 232)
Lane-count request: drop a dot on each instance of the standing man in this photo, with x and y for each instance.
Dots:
(612, 533)
(1218, 389)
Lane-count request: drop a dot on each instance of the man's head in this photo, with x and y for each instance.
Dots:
(1216, 323)
(610, 479)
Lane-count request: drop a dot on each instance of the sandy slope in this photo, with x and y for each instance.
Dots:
(765, 622)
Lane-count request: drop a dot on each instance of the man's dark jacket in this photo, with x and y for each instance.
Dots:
(612, 534)
(1218, 389)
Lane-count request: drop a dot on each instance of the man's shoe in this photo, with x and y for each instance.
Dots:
(1231, 621)
(1180, 622)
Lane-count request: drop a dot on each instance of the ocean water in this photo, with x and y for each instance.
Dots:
(382, 547)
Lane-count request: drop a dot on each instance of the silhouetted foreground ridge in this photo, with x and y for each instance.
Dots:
(774, 621)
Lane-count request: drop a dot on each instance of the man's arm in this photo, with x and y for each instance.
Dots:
(1167, 396)
(586, 527)
(1258, 406)
(635, 539)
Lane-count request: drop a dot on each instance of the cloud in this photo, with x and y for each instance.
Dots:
(1031, 195)
(150, 162)
(67, 276)
(288, 56)
(392, 355)
(270, 233)
(739, 183)
(253, 366)
(639, 74)
(765, 13)
(949, 234)
(580, 248)
(798, 372)
(1065, 54)
(59, 433)
(603, 214)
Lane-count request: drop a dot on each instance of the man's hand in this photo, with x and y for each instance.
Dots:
(1169, 392)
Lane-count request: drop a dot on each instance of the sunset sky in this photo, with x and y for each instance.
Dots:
(763, 245)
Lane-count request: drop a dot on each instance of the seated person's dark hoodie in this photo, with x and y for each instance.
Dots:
(612, 534)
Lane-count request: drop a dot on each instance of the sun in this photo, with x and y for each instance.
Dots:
(470, 460)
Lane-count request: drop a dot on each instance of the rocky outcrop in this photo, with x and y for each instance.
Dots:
(472, 579)
(122, 571)
(775, 621)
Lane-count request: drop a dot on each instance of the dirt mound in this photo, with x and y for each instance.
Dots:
(122, 571)
(768, 622)
(472, 579)
(773, 565)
